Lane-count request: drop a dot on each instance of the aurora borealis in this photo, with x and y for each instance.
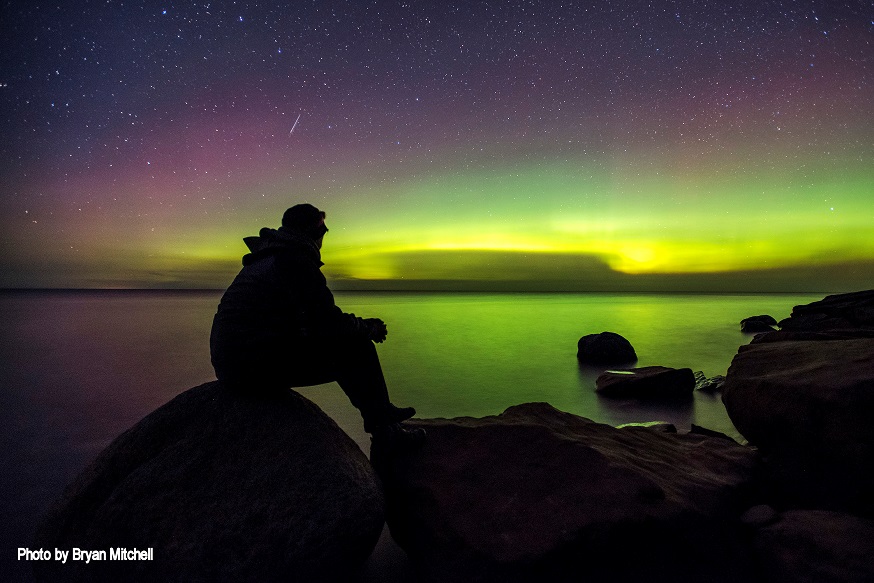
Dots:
(636, 145)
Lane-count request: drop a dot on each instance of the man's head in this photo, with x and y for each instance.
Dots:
(307, 219)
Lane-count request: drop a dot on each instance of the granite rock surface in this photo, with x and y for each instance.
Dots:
(222, 487)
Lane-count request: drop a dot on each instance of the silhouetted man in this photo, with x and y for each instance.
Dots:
(277, 326)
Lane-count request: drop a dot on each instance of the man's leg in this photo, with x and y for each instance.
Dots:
(354, 364)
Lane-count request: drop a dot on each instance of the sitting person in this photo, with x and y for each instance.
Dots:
(277, 326)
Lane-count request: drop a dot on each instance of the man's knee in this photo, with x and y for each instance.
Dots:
(357, 346)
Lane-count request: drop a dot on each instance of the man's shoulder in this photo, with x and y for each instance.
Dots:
(298, 263)
(296, 256)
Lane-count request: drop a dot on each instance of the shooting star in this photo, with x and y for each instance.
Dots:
(291, 131)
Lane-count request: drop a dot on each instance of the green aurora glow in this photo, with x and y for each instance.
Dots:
(746, 166)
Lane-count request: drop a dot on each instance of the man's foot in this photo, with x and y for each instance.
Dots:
(396, 438)
(389, 416)
(398, 414)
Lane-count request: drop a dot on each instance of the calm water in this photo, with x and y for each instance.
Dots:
(79, 368)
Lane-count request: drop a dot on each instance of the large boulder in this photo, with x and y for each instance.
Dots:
(222, 487)
(850, 311)
(647, 383)
(808, 405)
(605, 349)
(816, 546)
(535, 494)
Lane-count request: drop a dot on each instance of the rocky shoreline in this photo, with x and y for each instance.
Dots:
(228, 488)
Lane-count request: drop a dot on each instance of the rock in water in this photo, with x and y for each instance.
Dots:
(763, 323)
(535, 494)
(223, 488)
(852, 311)
(836, 317)
(808, 406)
(708, 385)
(647, 382)
(606, 348)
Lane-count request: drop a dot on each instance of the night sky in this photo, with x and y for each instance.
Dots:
(690, 145)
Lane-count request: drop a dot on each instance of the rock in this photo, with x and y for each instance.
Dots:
(662, 426)
(648, 382)
(708, 385)
(809, 546)
(754, 324)
(535, 494)
(699, 430)
(808, 406)
(759, 516)
(223, 488)
(764, 319)
(789, 335)
(852, 311)
(606, 348)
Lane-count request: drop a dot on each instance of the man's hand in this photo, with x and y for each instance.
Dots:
(376, 329)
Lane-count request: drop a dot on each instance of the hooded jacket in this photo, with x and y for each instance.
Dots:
(279, 297)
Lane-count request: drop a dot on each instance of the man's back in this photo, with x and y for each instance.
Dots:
(277, 326)
(276, 291)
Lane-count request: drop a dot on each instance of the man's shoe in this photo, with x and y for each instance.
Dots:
(398, 414)
(389, 416)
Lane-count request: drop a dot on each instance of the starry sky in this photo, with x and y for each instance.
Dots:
(545, 145)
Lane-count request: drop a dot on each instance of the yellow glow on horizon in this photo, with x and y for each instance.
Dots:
(629, 254)
(511, 225)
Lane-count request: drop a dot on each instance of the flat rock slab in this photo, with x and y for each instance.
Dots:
(809, 406)
(809, 546)
(648, 382)
(222, 488)
(535, 494)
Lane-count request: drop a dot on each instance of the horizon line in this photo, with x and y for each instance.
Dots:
(438, 290)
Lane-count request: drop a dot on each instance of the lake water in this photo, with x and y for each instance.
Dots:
(78, 368)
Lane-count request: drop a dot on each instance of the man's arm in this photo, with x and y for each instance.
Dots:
(377, 330)
(319, 313)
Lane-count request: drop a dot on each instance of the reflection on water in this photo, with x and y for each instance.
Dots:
(476, 354)
(79, 368)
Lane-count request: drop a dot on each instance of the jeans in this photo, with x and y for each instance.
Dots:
(350, 361)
